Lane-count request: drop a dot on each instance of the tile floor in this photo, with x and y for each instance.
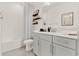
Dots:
(18, 52)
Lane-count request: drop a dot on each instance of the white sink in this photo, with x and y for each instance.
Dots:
(72, 34)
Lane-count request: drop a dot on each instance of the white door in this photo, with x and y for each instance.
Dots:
(36, 44)
(46, 48)
(62, 51)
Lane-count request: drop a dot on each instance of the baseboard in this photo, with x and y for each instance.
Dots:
(8, 46)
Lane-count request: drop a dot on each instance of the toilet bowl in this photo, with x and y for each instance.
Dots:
(29, 44)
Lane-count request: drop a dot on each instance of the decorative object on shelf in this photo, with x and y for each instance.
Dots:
(67, 19)
(44, 23)
(36, 16)
(42, 30)
(49, 28)
(35, 13)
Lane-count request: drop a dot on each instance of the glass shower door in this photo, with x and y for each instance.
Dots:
(0, 34)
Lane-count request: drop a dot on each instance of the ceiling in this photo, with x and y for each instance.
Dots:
(39, 4)
(45, 6)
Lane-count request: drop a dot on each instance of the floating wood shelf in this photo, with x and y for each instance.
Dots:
(34, 15)
(35, 23)
(36, 18)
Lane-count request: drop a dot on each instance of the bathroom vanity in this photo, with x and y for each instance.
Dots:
(54, 44)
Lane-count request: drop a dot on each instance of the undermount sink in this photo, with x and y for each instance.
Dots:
(70, 33)
(73, 34)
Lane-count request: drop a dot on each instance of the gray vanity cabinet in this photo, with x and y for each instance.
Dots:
(62, 51)
(42, 45)
(46, 45)
(52, 45)
(46, 48)
(63, 46)
(36, 44)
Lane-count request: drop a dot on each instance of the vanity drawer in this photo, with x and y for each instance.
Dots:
(46, 37)
(67, 42)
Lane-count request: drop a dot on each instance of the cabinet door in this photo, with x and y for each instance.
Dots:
(36, 44)
(67, 42)
(46, 48)
(46, 37)
(62, 51)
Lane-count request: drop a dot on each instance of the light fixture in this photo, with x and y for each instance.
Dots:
(47, 3)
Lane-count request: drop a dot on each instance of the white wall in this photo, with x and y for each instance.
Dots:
(13, 21)
(52, 15)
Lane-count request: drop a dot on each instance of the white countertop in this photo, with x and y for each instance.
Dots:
(57, 34)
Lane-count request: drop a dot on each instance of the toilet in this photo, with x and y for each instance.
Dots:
(29, 44)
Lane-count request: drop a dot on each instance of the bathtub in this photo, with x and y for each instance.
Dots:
(9, 45)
